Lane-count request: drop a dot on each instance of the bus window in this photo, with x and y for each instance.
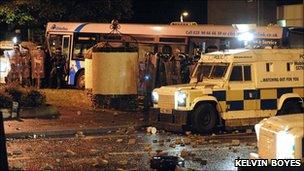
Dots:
(82, 43)
(66, 46)
(55, 41)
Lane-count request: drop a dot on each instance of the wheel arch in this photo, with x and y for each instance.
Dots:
(211, 100)
(286, 97)
(80, 71)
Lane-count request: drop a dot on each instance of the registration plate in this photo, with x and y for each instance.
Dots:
(166, 111)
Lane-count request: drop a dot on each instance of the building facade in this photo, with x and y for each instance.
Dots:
(259, 12)
(290, 15)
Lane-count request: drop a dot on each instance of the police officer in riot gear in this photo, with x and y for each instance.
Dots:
(58, 69)
(25, 61)
(15, 73)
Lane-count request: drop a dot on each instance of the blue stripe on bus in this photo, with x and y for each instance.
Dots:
(72, 76)
(78, 65)
(78, 29)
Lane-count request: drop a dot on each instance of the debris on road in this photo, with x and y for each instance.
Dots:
(166, 162)
(188, 133)
(248, 131)
(148, 129)
(94, 152)
(235, 142)
(200, 160)
(172, 145)
(48, 167)
(148, 148)
(178, 141)
(214, 141)
(153, 130)
(184, 153)
(70, 152)
(132, 141)
(104, 162)
(159, 151)
(78, 112)
(17, 166)
(123, 162)
(199, 141)
(119, 140)
(79, 134)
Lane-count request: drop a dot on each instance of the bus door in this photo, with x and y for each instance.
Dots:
(62, 41)
(66, 44)
(66, 48)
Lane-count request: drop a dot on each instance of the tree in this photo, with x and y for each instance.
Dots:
(36, 13)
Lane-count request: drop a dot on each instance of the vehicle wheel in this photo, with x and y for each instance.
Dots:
(204, 118)
(290, 107)
(80, 82)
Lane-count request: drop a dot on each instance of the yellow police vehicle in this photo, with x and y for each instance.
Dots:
(280, 137)
(231, 88)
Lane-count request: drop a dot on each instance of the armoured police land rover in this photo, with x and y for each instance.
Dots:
(280, 137)
(236, 87)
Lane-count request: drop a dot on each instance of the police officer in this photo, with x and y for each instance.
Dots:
(26, 69)
(58, 68)
(15, 73)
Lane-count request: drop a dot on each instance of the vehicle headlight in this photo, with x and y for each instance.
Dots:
(155, 97)
(257, 128)
(3, 66)
(285, 145)
(180, 98)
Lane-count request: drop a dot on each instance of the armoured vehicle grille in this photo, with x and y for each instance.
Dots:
(267, 144)
(166, 101)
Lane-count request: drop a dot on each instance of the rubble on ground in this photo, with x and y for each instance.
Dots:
(235, 142)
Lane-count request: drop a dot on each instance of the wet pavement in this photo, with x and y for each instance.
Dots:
(124, 150)
(76, 113)
(83, 139)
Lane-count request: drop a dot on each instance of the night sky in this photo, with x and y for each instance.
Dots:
(167, 11)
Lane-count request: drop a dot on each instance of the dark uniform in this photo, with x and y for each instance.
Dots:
(38, 65)
(15, 73)
(26, 69)
(58, 69)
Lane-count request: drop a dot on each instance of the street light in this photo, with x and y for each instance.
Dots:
(184, 14)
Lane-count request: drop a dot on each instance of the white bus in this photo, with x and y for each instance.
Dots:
(76, 38)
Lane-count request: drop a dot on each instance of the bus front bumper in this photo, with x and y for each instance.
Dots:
(177, 121)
